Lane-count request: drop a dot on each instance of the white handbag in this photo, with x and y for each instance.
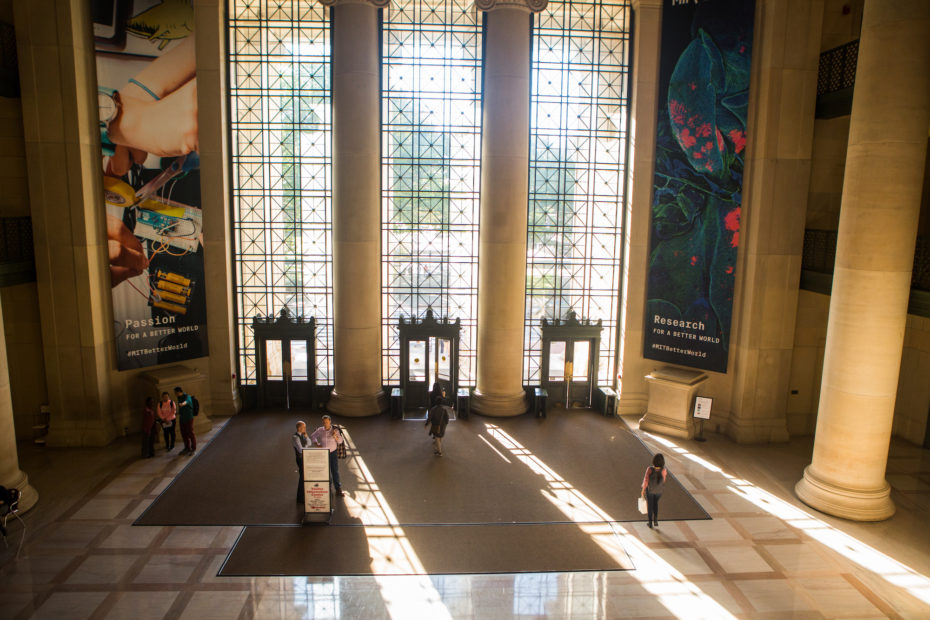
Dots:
(641, 504)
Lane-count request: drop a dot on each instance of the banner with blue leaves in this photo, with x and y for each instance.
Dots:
(700, 155)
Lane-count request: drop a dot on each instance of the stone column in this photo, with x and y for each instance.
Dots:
(356, 208)
(11, 476)
(783, 95)
(213, 123)
(54, 43)
(874, 261)
(633, 366)
(504, 184)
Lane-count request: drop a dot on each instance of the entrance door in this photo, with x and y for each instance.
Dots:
(284, 359)
(442, 366)
(429, 361)
(428, 355)
(416, 393)
(569, 378)
(275, 385)
(569, 364)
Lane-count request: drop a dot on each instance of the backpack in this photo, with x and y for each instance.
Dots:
(196, 404)
(341, 451)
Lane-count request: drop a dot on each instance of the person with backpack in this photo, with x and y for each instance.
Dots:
(437, 419)
(653, 484)
(186, 415)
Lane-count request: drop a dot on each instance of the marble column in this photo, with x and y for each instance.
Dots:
(647, 36)
(11, 476)
(874, 261)
(356, 208)
(504, 184)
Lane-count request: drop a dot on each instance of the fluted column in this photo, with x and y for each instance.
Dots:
(644, 106)
(874, 261)
(504, 184)
(356, 208)
(11, 476)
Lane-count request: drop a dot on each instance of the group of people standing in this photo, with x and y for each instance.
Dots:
(327, 436)
(168, 414)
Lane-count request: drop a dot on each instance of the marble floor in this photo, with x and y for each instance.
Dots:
(763, 555)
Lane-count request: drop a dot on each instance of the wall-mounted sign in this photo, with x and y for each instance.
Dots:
(147, 120)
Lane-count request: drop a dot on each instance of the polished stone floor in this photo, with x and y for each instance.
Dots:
(764, 554)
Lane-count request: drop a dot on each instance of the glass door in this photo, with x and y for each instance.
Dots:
(568, 373)
(418, 371)
(442, 366)
(579, 379)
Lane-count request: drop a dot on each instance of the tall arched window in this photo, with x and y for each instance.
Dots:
(578, 146)
(281, 137)
(431, 128)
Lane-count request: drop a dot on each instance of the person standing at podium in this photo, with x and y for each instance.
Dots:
(300, 440)
(328, 436)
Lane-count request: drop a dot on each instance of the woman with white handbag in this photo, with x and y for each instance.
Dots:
(653, 484)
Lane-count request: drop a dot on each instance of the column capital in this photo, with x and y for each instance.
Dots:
(530, 6)
(378, 4)
(646, 4)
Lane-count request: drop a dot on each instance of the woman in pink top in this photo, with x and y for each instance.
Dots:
(167, 413)
(653, 484)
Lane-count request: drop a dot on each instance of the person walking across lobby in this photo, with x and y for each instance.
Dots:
(300, 440)
(186, 419)
(167, 413)
(437, 420)
(329, 437)
(653, 484)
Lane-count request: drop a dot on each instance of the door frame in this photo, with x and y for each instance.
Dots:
(413, 330)
(571, 329)
(285, 328)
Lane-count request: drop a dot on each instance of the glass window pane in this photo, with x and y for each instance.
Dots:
(580, 365)
(444, 359)
(557, 360)
(431, 151)
(280, 129)
(274, 360)
(299, 360)
(417, 360)
(578, 141)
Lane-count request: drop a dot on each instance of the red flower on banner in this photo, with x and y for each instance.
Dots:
(731, 221)
(739, 139)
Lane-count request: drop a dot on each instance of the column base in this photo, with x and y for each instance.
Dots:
(497, 406)
(28, 495)
(851, 504)
(356, 406)
(772, 430)
(672, 427)
(633, 403)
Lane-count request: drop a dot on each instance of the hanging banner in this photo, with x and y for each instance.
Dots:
(700, 149)
(147, 104)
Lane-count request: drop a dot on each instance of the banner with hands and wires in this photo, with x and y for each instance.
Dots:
(147, 104)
